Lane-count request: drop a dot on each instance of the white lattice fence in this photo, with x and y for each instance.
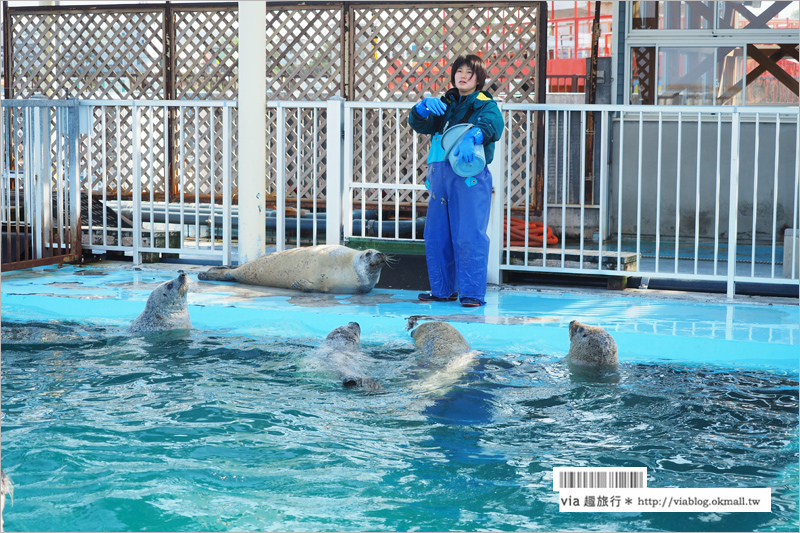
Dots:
(401, 53)
(92, 54)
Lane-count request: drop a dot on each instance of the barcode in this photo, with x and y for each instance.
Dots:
(599, 478)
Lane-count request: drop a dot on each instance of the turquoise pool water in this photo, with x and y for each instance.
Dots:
(236, 427)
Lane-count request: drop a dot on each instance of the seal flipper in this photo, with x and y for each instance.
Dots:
(217, 273)
(303, 285)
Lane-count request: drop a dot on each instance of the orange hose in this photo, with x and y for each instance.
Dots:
(535, 233)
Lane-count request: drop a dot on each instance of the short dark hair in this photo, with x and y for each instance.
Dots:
(475, 64)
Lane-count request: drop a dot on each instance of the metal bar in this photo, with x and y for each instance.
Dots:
(775, 194)
(380, 172)
(280, 200)
(315, 176)
(564, 179)
(795, 259)
(151, 177)
(169, 172)
(105, 168)
(639, 198)
(733, 206)
(697, 194)
(119, 178)
(212, 177)
(227, 188)
(716, 205)
(658, 190)
(604, 142)
(397, 173)
(620, 163)
(182, 174)
(508, 187)
(756, 160)
(584, 119)
(197, 180)
(137, 189)
(298, 176)
(546, 179)
(678, 192)
(527, 183)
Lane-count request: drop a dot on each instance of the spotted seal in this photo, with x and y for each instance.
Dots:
(166, 308)
(339, 353)
(324, 268)
(591, 346)
(439, 342)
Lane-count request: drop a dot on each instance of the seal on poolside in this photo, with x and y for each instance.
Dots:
(5, 488)
(591, 347)
(166, 308)
(340, 352)
(324, 268)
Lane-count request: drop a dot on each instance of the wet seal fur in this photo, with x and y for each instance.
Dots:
(166, 308)
(591, 347)
(439, 342)
(339, 354)
(6, 487)
(325, 268)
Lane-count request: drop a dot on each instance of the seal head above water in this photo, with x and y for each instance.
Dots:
(325, 268)
(166, 308)
(340, 353)
(591, 346)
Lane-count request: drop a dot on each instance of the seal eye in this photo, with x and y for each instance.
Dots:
(169, 287)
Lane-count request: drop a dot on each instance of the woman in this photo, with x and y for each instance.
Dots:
(456, 244)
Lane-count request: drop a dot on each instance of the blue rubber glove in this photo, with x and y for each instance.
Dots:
(465, 151)
(430, 105)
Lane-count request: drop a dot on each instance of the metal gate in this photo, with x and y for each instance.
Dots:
(40, 198)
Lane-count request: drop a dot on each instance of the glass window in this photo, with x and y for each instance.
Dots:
(672, 15)
(643, 68)
(758, 15)
(686, 76)
(772, 74)
(729, 73)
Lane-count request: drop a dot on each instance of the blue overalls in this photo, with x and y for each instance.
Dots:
(456, 243)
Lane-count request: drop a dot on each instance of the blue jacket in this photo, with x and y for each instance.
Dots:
(484, 113)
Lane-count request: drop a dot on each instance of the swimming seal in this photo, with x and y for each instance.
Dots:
(591, 346)
(339, 353)
(445, 353)
(166, 308)
(439, 342)
(324, 268)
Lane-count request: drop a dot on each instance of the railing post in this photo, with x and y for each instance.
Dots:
(137, 186)
(733, 204)
(495, 231)
(280, 179)
(74, 178)
(227, 233)
(334, 179)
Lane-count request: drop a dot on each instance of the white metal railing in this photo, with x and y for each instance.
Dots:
(169, 211)
(664, 175)
(691, 193)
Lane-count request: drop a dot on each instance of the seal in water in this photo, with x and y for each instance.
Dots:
(444, 352)
(324, 268)
(166, 308)
(5, 488)
(339, 354)
(439, 342)
(591, 346)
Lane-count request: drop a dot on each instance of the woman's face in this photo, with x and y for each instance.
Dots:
(466, 82)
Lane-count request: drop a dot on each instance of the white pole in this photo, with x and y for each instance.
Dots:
(495, 230)
(252, 129)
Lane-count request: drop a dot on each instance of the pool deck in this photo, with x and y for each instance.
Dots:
(650, 326)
